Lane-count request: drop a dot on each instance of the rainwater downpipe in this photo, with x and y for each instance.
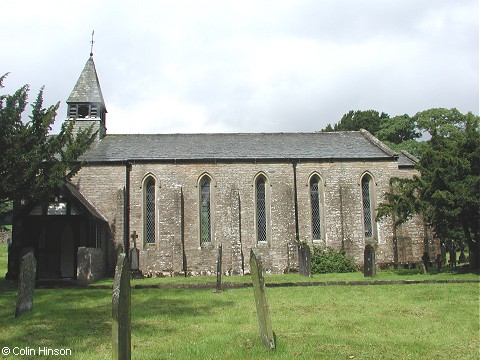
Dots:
(126, 209)
(295, 196)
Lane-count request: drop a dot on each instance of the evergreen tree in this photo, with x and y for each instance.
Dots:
(33, 162)
(370, 120)
(447, 192)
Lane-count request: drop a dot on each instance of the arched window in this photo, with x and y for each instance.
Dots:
(368, 218)
(315, 208)
(261, 208)
(205, 218)
(149, 223)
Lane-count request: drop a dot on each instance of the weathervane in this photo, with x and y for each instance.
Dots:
(91, 44)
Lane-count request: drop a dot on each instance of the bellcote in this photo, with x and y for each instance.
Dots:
(85, 103)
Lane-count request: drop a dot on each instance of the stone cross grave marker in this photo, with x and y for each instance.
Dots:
(304, 260)
(134, 253)
(263, 313)
(26, 283)
(121, 310)
(369, 266)
(218, 287)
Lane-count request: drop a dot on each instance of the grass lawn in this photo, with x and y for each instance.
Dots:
(415, 321)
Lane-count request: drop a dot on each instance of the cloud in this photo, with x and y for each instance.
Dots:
(214, 66)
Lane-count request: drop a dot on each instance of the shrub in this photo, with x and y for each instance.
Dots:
(331, 261)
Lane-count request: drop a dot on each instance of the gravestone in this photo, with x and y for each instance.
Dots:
(304, 260)
(121, 310)
(422, 268)
(453, 258)
(263, 313)
(426, 262)
(218, 287)
(439, 262)
(134, 257)
(26, 283)
(369, 266)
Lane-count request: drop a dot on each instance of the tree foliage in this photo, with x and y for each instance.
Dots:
(399, 132)
(370, 120)
(448, 191)
(33, 162)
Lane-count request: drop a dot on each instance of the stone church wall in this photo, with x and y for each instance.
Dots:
(103, 187)
(233, 212)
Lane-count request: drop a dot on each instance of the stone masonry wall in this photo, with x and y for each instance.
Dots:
(233, 212)
(103, 187)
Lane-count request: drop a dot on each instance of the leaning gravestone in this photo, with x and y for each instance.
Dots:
(422, 268)
(121, 314)
(369, 261)
(263, 313)
(304, 260)
(218, 287)
(26, 283)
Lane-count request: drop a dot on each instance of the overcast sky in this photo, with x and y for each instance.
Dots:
(246, 66)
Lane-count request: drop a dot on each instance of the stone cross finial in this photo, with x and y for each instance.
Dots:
(134, 237)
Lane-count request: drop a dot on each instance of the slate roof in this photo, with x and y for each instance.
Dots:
(238, 146)
(405, 159)
(87, 89)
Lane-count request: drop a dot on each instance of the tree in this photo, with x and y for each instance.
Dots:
(370, 120)
(398, 129)
(32, 162)
(447, 192)
(399, 132)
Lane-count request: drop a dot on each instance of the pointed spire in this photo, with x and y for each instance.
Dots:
(87, 89)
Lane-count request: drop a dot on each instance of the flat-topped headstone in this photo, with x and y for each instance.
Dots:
(218, 287)
(26, 283)
(121, 310)
(304, 260)
(369, 266)
(263, 313)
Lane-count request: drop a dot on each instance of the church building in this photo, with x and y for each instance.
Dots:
(174, 198)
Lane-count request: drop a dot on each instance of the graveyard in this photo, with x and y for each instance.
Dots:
(332, 320)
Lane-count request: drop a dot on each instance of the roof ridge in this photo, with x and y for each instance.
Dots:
(375, 141)
(241, 133)
(410, 156)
